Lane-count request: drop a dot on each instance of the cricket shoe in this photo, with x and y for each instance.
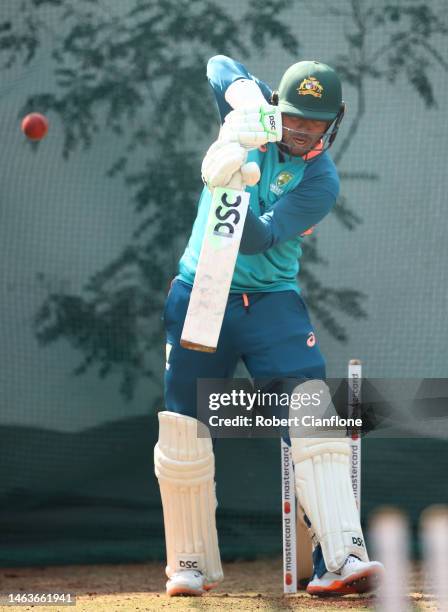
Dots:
(188, 582)
(354, 577)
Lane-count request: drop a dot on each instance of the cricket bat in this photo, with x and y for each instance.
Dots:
(214, 271)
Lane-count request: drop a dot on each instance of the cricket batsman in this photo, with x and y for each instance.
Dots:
(275, 144)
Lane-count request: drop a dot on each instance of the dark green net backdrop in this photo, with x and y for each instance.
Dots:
(95, 217)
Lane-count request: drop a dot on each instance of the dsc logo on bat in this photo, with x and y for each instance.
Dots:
(227, 215)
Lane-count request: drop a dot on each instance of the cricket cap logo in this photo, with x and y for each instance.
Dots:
(310, 87)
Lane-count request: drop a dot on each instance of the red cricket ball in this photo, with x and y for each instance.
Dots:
(35, 126)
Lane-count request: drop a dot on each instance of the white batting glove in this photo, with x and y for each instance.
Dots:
(248, 174)
(253, 126)
(221, 161)
(224, 165)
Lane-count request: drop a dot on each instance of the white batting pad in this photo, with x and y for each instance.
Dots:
(323, 484)
(325, 492)
(185, 467)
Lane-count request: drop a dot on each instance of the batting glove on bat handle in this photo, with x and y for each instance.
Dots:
(248, 175)
(221, 161)
(253, 127)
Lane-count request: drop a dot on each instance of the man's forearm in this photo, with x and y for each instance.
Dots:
(290, 217)
(257, 235)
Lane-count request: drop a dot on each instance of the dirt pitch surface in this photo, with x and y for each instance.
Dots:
(254, 585)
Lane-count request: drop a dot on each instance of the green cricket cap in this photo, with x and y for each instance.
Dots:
(311, 90)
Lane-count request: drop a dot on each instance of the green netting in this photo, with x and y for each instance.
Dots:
(94, 218)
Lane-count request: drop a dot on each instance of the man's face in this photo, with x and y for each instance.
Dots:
(301, 135)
